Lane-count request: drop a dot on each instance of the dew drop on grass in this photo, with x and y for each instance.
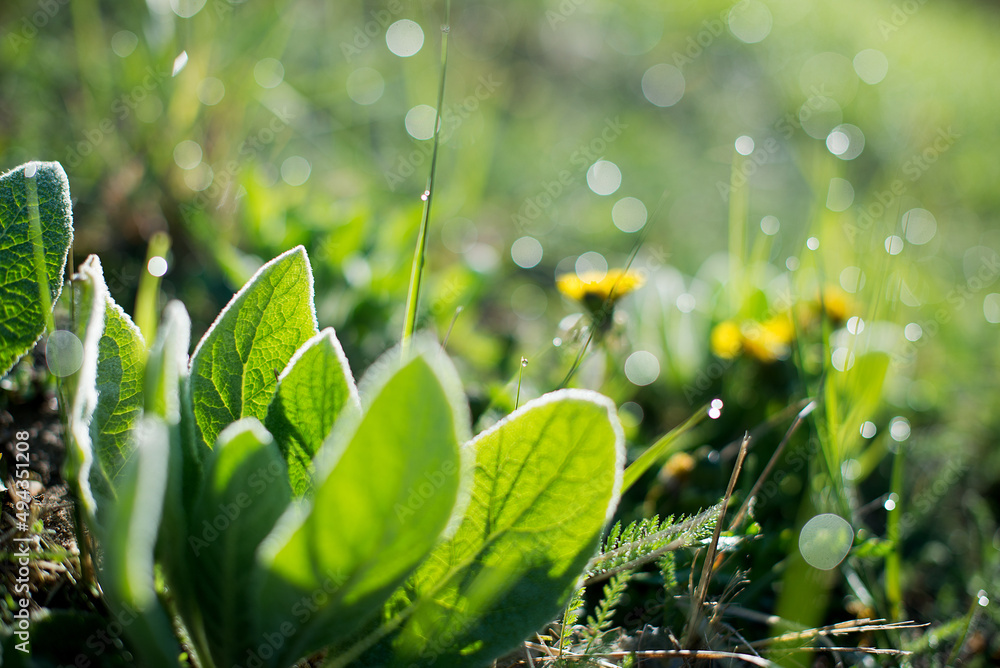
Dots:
(812, 243)
(424, 195)
(868, 429)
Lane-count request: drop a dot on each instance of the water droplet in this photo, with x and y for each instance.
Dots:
(557, 342)
(425, 195)
(868, 429)
(30, 170)
(524, 362)
(812, 243)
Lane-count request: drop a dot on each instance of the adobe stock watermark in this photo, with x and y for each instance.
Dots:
(957, 298)
(303, 610)
(222, 181)
(452, 118)
(107, 639)
(913, 169)
(228, 513)
(711, 30)
(376, 25)
(22, 514)
(32, 23)
(786, 127)
(121, 108)
(421, 492)
(900, 15)
(580, 159)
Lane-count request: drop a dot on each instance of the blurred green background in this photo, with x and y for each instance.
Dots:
(827, 164)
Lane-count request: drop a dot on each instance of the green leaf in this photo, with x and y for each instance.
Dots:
(128, 544)
(105, 394)
(120, 377)
(547, 479)
(245, 491)
(22, 285)
(167, 364)
(312, 390)
(234, 369)
(90, 301)
(389, 484)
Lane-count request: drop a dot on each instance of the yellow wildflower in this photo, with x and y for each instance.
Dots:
(727, 340)
(768, 341)
(594, 285)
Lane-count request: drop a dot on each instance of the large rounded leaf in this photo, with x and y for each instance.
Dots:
(389, 483)
(546, 481)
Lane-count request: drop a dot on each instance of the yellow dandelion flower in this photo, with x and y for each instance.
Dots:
(769, 340)
(615, 283)
(594, 289)
(727, 340)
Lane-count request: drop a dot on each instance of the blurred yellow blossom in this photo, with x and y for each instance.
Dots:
(727, 340)
(767, 341)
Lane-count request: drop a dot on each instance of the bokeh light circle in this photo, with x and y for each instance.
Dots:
(642, 368)
(825, 540)
(404, 38)
(63, 353)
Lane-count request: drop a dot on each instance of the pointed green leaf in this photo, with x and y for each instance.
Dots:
(22, 316)
(167, 363)
(106, 391)
(90, 300)
(547, 479)
(312, 390)
(245, 491)
(128, 544)
(120, 371)
(390, 482)
(234, 369)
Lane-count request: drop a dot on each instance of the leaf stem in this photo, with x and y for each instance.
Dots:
(417, 270)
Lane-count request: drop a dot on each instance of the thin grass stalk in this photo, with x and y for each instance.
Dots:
(419, 254)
